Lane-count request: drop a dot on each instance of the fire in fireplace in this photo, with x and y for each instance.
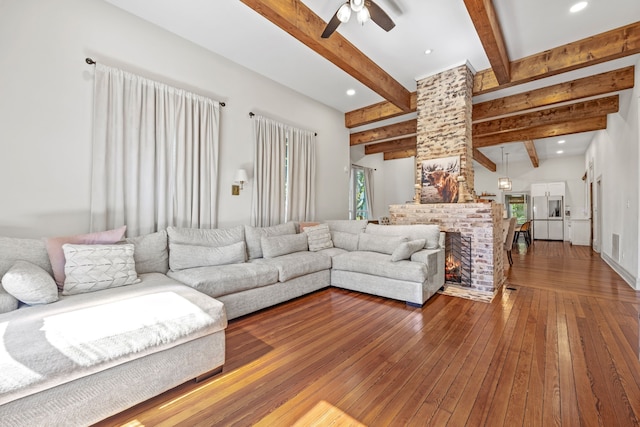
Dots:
(457, 259)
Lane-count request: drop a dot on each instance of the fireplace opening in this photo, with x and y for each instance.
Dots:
(457, 259)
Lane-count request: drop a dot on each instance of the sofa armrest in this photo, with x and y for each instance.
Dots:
(428, 257)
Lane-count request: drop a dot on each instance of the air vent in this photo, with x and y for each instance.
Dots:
(615, 247)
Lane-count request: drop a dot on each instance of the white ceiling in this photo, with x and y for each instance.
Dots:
(233, 30)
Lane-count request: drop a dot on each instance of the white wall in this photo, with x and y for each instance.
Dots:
(562, 169)
(46, 100)
(393, 179)
(615, 159)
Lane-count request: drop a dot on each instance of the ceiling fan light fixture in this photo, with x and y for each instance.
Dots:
(344, 13)
(357, 5)
(363, 16)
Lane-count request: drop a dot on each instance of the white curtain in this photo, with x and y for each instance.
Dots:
(155, 155)
(268, 204)
(301, 176)
(359, 191)
(284, 161)
(368, 191)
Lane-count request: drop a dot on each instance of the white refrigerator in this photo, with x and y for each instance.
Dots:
(548, 218)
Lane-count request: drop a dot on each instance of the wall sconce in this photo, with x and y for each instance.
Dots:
(241, 177)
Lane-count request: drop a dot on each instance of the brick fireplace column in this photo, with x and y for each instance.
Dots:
(444, 119)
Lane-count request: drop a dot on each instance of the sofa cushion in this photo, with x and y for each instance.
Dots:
(30, 284)
(406, 249)
(74, 337)
(151, 252)
(430, 232)
(331, 252)
(190, 256)
(7, 301)
(378, 264)
(378, 243)
(212, 237)
(318, 237)
(90, 268)
(227, 279)
(56, 254)
(275, 246)
(253, 236)
(33, 250)
(346, 241)
(348, 225)
(297, 264)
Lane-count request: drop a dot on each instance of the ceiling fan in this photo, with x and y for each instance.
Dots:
(365, 10)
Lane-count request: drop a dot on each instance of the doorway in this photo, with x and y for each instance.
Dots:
(597, 217)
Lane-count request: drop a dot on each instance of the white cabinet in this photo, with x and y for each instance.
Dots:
(548, 189)
(581, 232)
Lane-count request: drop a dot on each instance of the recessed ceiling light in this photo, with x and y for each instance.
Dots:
(562, 141)
(351, 92)
(428, 51)
(578, 6)
(559, 152)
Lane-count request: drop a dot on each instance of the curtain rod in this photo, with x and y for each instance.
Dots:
(363, 167)
(90, 61)
(251, 114)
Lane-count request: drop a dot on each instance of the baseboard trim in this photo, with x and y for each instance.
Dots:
(626, 276)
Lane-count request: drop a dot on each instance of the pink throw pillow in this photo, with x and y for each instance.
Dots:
(56, 254)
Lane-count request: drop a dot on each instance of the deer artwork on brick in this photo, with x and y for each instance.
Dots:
(445, 181)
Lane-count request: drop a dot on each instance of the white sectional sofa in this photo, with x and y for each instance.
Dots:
(84, 357)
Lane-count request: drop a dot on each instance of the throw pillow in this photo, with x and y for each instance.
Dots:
(13, 249)
(379, 243)
(304, 225)
(346, 241)
(90, 268)
(253, 236)
(150, 252)
(318, 237)
(56, 254)
(406, 249)
(30, 284)
(275, 246)
(192, 256)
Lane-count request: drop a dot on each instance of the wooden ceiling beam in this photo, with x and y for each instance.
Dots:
(298, 20)
(578, 110)
(395, 145)
(598, 84)
(607, 46)
(545, 131)
(533, 154)
(483, 160)
(376, 112)
(603, 47)
(403, 154)
(394, 131)
(484, 18)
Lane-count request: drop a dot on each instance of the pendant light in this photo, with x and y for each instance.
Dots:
(505, 183)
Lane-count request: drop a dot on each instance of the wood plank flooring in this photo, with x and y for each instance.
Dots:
(558, 347)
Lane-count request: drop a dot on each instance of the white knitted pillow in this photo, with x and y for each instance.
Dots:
(90, 268)
(318, 237)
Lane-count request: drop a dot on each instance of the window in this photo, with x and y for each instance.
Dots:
(360, 193)
(517, 207)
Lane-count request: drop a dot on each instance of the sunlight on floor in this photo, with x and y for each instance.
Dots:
(324, 414)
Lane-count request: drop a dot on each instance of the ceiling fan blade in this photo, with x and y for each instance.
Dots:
(331, 26)
(379, 16)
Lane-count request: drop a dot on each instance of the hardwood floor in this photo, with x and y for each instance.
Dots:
(558, 346)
